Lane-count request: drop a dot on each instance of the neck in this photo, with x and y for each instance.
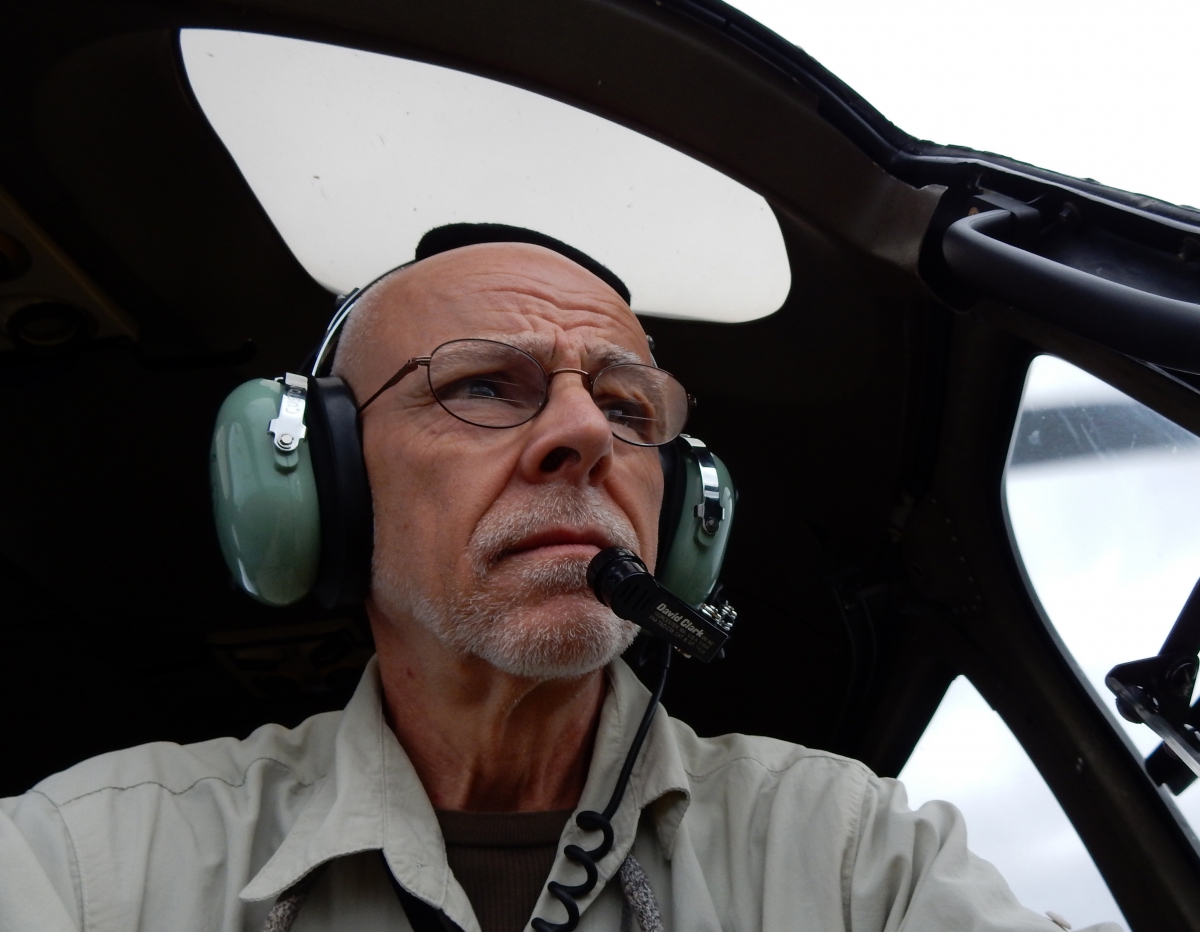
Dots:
(480, 739)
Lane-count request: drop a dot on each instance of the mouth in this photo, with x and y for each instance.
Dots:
(583, 543)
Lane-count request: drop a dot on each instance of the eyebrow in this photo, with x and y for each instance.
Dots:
(611, 355)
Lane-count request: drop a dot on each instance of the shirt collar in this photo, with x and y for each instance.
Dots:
(372, 799)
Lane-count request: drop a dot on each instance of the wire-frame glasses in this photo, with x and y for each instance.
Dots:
(493, 384)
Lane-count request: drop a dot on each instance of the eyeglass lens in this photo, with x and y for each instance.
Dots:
(492, 384)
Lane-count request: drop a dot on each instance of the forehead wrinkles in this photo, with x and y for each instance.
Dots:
(544, 347)
(418, 307)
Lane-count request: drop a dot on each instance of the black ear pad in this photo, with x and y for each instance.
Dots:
(343, 492)
(674, 489)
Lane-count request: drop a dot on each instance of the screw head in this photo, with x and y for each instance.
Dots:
(1127, 712)
(286, 439)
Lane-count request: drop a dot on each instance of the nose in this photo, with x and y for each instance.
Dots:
(572, 440)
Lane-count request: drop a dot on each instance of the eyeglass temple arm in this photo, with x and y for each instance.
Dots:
(404, 370)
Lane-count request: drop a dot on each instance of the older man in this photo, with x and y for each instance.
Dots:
(497, 704)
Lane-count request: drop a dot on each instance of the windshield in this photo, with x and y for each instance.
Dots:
(1104, 91)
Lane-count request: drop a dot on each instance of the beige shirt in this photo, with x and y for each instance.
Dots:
(735, 833)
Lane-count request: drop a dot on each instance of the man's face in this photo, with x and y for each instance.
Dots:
(482, 535)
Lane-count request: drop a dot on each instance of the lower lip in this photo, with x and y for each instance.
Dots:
(584, 551)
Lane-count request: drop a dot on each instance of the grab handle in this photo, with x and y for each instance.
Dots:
(1155, 329)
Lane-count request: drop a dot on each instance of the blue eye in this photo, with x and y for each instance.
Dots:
(625, 411)
(482, 388)
(632, 415)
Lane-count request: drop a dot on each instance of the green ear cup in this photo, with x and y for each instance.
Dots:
(694, 559)
(264, 501)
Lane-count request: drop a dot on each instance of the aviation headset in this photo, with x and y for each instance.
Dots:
(291, 498)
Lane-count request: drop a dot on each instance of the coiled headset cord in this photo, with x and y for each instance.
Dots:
(591, 821)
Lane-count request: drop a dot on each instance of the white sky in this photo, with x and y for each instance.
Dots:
(1099, 89)
(1053, 383)
(968, 756)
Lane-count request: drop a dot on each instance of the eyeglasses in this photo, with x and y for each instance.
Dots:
(491, 384)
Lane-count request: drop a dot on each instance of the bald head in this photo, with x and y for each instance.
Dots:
(484, 289)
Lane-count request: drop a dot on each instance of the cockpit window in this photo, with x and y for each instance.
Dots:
(968, 756)
(1103, 501)
(355, 155)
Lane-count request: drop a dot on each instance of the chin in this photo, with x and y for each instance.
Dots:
(562, 638)
(541, 622)
(539, 633)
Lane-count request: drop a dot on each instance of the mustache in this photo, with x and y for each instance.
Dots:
(503, 528)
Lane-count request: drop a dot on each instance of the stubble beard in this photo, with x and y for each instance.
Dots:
(507, 614)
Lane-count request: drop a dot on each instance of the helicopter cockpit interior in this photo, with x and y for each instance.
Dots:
(888, 339)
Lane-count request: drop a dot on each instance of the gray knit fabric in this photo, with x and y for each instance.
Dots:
(287, 907)
(639, 897)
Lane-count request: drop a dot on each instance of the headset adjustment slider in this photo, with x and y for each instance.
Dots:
(288, 429)
(710, 511)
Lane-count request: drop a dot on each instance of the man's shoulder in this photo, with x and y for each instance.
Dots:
(295, 755)
(762, 760)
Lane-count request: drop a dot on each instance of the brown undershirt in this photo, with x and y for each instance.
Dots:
(502, 860)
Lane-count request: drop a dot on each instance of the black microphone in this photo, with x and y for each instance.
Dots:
(621, 581)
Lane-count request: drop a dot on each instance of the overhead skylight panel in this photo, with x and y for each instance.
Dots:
(355, 155)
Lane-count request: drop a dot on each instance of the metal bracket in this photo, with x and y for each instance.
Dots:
(288, 429)
(1148, 693)
(1026, 219)
(710, 512)
(1157, 691)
